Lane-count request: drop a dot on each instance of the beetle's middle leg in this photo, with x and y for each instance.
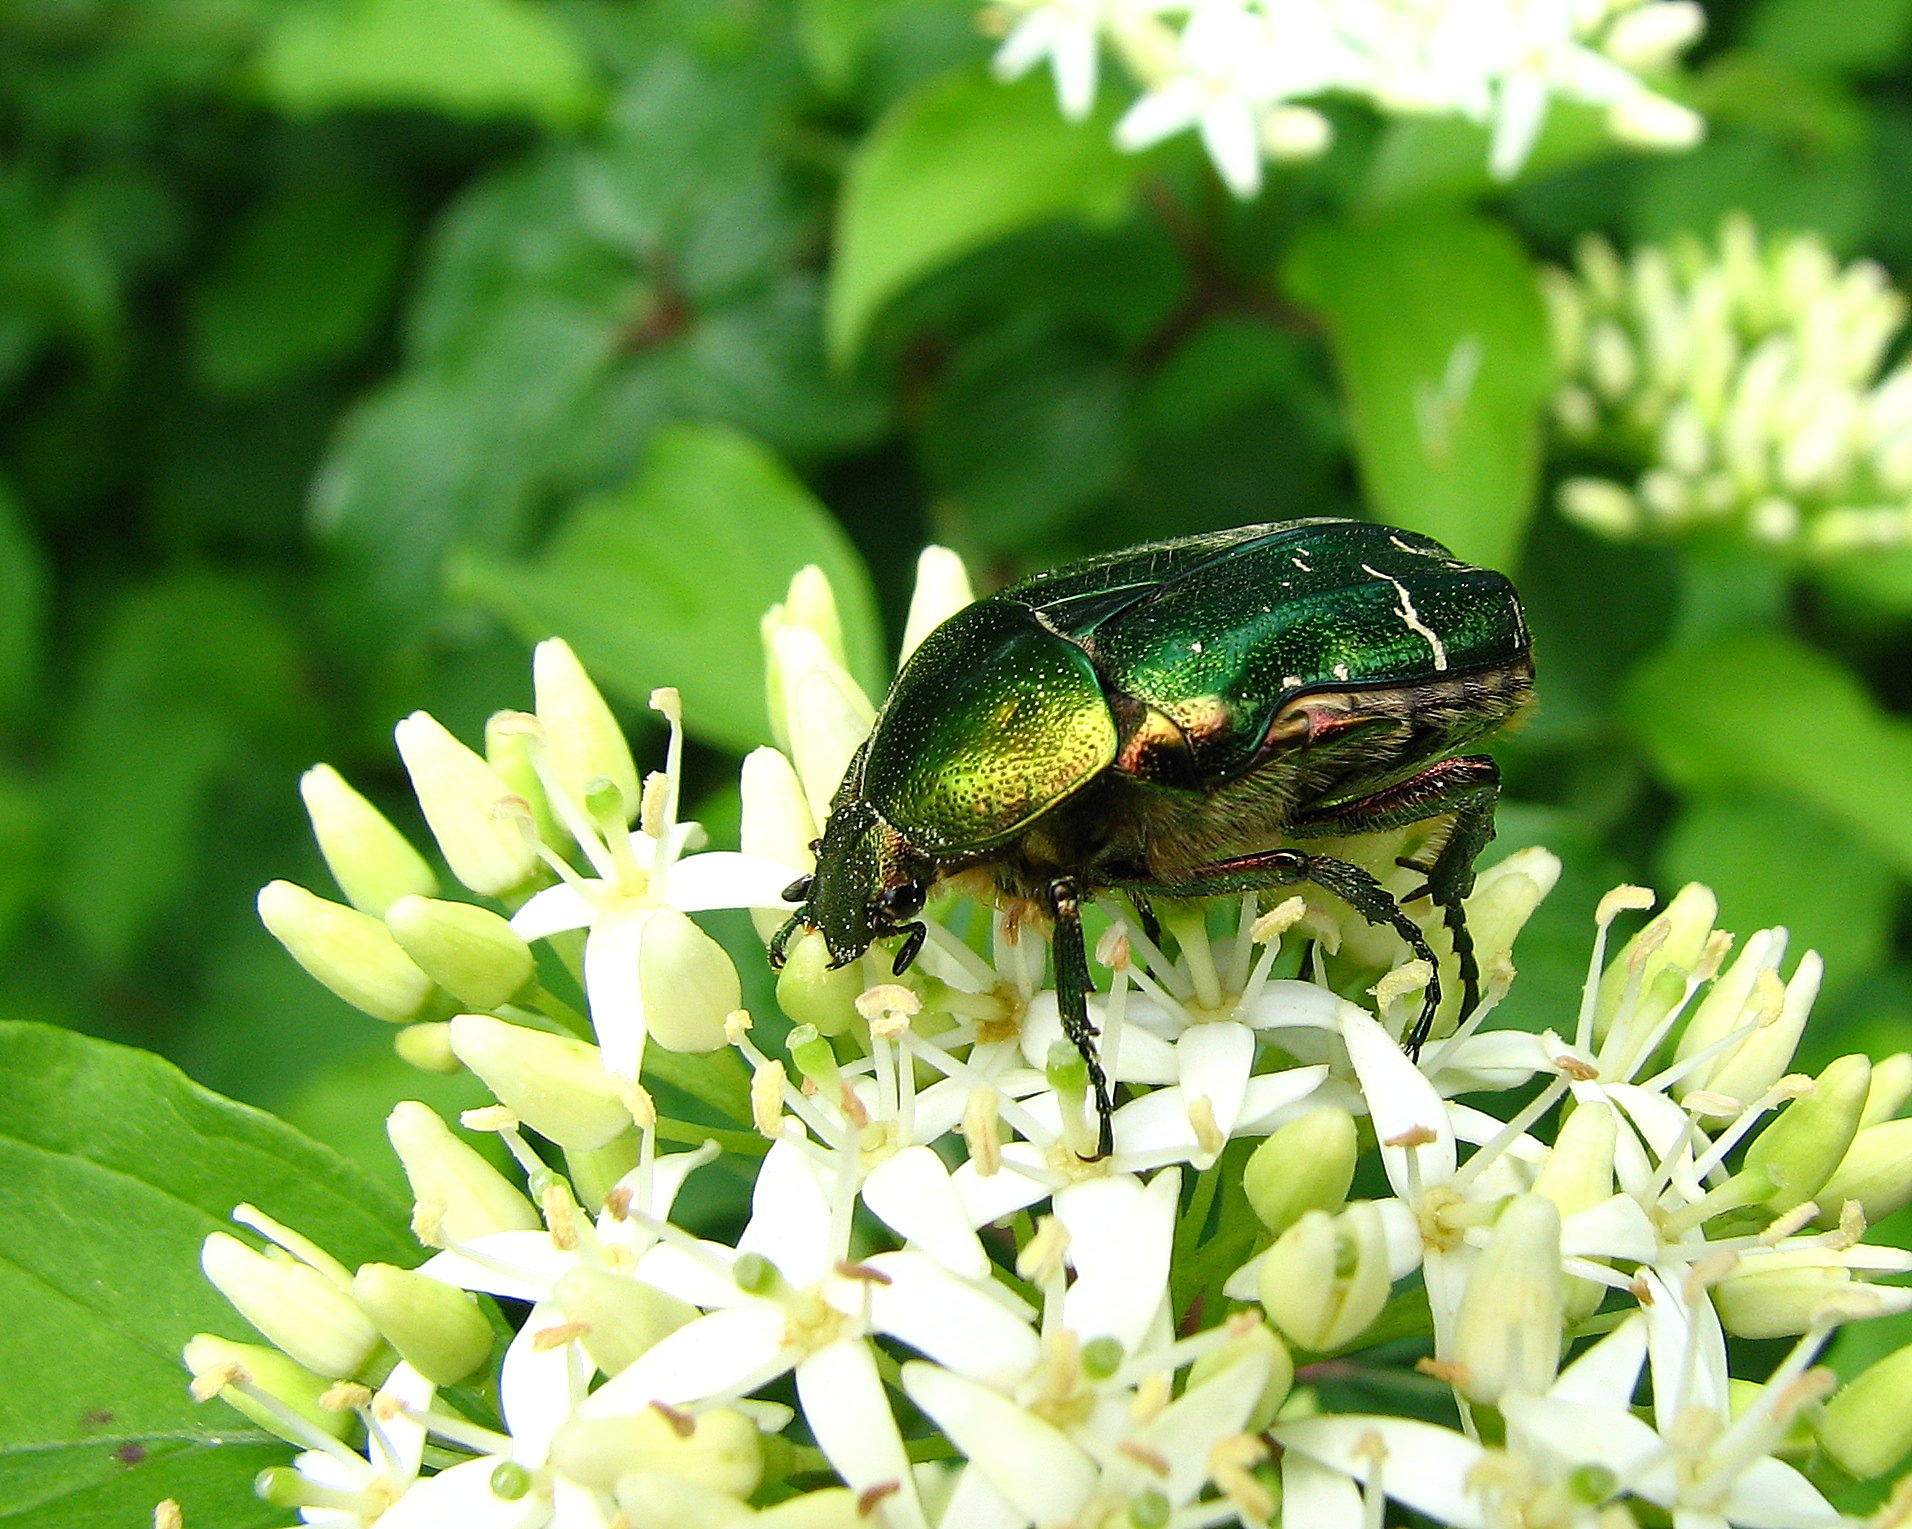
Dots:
(1354, 886)
(1072, 1000)
(1468, 789)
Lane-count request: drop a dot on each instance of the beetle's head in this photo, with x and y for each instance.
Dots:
(868, 885)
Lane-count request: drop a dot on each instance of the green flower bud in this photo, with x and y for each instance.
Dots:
(469, 951)
(427, 1047)
(512, 740)
(624, 1316)
(476, 818)
(1507, 1334)
(554, 1084)
(1732, 1001)
(690, 986)
(814, 1058)
(720, 1449)
(777, 823)
(813, 993)
(351, 952)
(583, 739)
(1577, 1175)
(1891, 1087)
(660, 1500)
(215, 1362)
(1761, 1060)
(373, 863)
(1304, 1165)
(1665, 952)
(1504, 899)
(1876, 1172)
(1782, 1302)
(1798, 1152)
(826, 1508)
(1260, 1339)
(293, 1305)
(458, 1194)
(437, 1329)
(1867, 1426)
(1326, 1278)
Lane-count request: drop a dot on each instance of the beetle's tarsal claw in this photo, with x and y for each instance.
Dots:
(1425, 889)
(914, 935)
(798, 890)
(780, 941)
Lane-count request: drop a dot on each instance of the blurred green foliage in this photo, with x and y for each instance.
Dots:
(349, 345)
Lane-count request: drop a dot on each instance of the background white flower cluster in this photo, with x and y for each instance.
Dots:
(1242, 72)
(944, 1310)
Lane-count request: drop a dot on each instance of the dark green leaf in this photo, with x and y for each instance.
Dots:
(23, 580)
(1438, 334)
(1859, 35)
(115, 1168)
(663, 582)
(952, 167)
(1783, 188)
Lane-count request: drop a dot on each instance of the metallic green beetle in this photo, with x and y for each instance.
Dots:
(1167, 721)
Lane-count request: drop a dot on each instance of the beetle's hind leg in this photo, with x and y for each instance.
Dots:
(1072, 1000)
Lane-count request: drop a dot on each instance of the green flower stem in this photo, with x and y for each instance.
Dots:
(688, 1133)
(718, 1080)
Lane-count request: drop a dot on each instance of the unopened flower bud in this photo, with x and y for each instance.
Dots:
(1507, 1334)
(437, 1328)
(1262, 1342)
(813, 992)
(1652, 36)
(583, 740)
(825, 1508)
(427, 1046)
(1505, 897)
(690, 986)
(624, 1316)
(351, 952)
(721, 1448)
(777, 822)
(649, 1499)
(457, 1192)
(942, 589)
(826, 715)
(554, 1084)
(1799, 1150)
(1657, 961)
(1304, 1165)
(1326, 1278)
(1736, 999)
(1762, 1059)
(1867, 1426)
(373, 863)
(297, 1308)
(469, 951)
(1578, 1175)
(513, 740)
(1890, 1087)
(1876, 1172)
(1600, 506)
(476, 818)
(1784, 1302)
(229, 1370)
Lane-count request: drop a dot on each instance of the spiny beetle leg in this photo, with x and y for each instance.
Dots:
(1072, 999)
(1354, 886)
(1145, 911)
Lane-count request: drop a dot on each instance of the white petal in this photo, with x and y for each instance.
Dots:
(1288, 1004)
(991, 1197)
(947, 1319)
(726, 879)
(537, 1388)
(790, 1216)
(576, 1507)
(463, 1496)
(1027, 45)
(1402, 1103)
(844, 1404)
(529, 1265)
(654, 1194)
(975, 1504)
(1518, 116)
(400, 1441)
(702, 1281)
(1402, 1229)
(1770, 1494)
(1022, 1456)
(939, 1108)
(1577, 1434)
(1321, 1498)
(1272, 1096)
(1615, 1228)
(1169, 109)
(1120, 1235)
(1424, 1465)
(911, 1194)
(1213, 1062)
(1608, 1372)
(1685, 1345)
(612, 990)
(1186, 1431)
(1489, 1059)
(1074, 58)
(1245, 1283)
(1141, 1055)
(554, 910)
(1228, 133)
(724, 1351)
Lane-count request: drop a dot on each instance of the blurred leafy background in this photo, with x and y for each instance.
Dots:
(350, 345)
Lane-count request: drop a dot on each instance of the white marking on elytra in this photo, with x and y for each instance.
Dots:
(1194, 647)
(1291, 682)
(1417, 551)
(1304, 567)
(1411, 618)
(1341, 671)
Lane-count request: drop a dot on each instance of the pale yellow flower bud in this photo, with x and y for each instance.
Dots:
(1867, 1426)
(437, 1329)
(583, 741)
(457, 1192)
(351, 952)
(690, 986)
(226, 1369)
(471, 952)
(942, 589)
(478, 821)
(1799, 1150)
(650, 1499)
(1876, 1172)
(719, 1448)
(1784, 1302)
(777, 822)
(1326, 1278)
(625, 1316)
(297, 1308)
(1891, 1086)
(1304, 1165)
(1507, 1334)
(826, 715)
(814, 993)
(1262, 1340)
(373, 863)
(554, 1084)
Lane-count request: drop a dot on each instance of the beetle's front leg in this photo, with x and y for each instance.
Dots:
(1354, 886)
(1072, 1000)
(1467, 789)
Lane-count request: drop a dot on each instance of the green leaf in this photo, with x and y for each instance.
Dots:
(1438, 334)
(116, 1168)
(1859, 35)
(950, 168)
(1832, 891)
(464, 58)
(1831, 194)
(662, 582)
(304, 281)
(23, 579)
(1765, 711)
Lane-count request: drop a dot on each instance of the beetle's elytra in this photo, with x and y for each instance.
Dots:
(1182, 719)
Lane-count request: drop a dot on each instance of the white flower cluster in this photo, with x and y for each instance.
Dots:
(944, 1310)
(1239, 71)
(1746, 377)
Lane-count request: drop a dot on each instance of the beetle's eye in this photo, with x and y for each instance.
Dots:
(903, 902)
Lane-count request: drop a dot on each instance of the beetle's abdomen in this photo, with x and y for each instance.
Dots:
(994, 721)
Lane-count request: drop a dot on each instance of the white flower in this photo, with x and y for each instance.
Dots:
(1067, 33)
